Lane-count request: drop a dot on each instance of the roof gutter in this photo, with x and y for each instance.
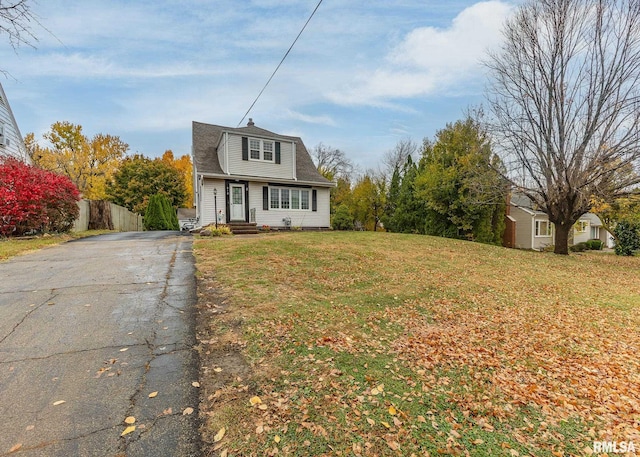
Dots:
(266, 179)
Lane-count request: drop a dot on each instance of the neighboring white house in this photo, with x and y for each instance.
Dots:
(252, 175)
(534, 231)
(11, 143)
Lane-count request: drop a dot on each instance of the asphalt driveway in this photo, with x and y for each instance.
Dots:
(89, 331)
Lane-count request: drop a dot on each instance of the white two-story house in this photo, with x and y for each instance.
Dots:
(251, 175)
(11, 143)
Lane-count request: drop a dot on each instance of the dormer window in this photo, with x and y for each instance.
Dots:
(261, 150)
(256, 149)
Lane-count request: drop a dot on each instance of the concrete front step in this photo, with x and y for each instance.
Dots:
(243, 228)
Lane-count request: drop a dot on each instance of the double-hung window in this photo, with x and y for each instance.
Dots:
(581, 226)
(254, 149)
(543, 228)
(261, 149)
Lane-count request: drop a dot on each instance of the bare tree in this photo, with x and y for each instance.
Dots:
(395, 158)
(566, 105)
(16, 19)
(331, 162)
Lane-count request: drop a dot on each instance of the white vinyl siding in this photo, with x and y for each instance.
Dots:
(582, 231)
(299, 218)
(207, 205)
(271, 217)
(259, 168)
(14, 146)
(10, 135)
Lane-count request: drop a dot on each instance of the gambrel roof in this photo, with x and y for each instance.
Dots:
(206, 138)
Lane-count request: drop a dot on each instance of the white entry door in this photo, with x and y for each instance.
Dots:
(237, 202)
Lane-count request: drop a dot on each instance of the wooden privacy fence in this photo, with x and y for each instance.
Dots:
(103, 215)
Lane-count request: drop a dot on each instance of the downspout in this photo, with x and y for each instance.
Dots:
(533, 230)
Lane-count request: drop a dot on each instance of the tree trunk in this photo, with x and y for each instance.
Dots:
(562, 238)
(100, 215)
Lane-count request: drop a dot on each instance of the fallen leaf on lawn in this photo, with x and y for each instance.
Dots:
(124, 349)
(130, 420)
(259, 429)
(224, 453)
(219, 435)
(375, 391)
(195, 384)
(59, 402)
(478, 441)
(393, 445)
(262, 407)
(421, 419)
(371, 421)
(217, 369)
(153, 394)
(385, 424)
(514, 453)
(187, 411)
(15, 448)
(255, 400)
(392, 411)
(128, 430)
(276, 438)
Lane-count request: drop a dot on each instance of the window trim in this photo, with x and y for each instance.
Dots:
(261, 150)
(273, 190)
(583, 224)
(537, 230)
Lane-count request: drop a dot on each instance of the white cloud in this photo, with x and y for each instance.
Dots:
(309, 119)
(430, 60)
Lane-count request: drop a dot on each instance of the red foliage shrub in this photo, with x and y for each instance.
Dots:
(35, 200)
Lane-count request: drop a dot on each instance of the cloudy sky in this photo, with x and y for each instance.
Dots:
(363, 75)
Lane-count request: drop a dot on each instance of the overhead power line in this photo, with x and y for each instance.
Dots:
(283, 58)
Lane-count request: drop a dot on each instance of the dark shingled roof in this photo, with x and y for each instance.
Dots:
(206, 138)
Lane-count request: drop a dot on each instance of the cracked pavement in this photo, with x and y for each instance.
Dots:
(88, 330)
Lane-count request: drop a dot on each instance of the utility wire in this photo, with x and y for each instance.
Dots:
(276, 70)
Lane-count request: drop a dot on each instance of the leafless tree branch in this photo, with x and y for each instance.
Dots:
(566, 103)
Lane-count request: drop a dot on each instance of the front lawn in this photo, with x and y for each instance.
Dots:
(10, 247)
(376, 344)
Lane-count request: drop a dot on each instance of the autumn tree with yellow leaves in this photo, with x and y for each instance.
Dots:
(88, 162)
(184, 165)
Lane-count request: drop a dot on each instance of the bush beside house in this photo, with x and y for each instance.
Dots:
(627, 238)
(33, 200)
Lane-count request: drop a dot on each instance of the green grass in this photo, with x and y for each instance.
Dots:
(385, 344)
(10, 247)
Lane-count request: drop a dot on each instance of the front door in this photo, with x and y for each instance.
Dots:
(237, 202)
